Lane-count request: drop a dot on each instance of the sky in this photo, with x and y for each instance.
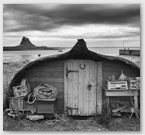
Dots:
(60, 25)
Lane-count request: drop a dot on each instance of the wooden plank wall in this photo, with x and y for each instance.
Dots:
(99, 88)
(114, 68)
(51, 73)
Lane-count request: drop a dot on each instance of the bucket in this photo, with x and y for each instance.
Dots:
(16, 103)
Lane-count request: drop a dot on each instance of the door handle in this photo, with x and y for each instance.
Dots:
(90, 85)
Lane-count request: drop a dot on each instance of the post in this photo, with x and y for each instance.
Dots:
(108, 107)
(136, 102)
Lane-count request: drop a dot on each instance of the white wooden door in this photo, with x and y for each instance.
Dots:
(81, 87)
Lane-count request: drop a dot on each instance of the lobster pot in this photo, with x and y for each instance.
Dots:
(16, 103)
(22, 90)
(19, 92)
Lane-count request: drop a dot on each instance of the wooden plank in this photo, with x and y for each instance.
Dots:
(115, 65)
(72, 87)
(75, 87)
(47, 79)
(48, 74)
(99, 88)
(85, 88)
(69, 79)
(45, 69)
(108, 62)
(52, 64)
(65, 88)
(92, 92)
(136, 102)
(81, 91)
(111, 71)
(108, 107)
(121, 93)
(71, 74)
(95, 87)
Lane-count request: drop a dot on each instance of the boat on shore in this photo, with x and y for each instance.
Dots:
(59, 50)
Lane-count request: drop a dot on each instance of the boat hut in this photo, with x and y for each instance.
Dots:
(79, 75)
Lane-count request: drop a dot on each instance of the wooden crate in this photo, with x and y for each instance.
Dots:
(117, 85)
(16, 103)
(134, 83)
(46, 107)
(30, 107)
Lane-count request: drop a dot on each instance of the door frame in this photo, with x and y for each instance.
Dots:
(98, 88)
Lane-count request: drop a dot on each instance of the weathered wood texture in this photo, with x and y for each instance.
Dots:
(99, 88)
(51, 73)
(115, 93)
(47, 72)
(79, 98)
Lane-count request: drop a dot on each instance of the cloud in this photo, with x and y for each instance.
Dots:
(70, 21)
(90, 31)
(48, 17)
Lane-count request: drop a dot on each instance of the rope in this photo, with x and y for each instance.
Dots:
(28, 99)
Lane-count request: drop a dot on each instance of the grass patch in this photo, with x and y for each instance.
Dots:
(9, 70)
(123, 124)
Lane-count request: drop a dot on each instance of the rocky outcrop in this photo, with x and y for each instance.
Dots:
(26, 44)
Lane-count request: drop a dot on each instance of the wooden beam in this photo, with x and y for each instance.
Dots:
(121, 93)
(99, 88)
(65, 88)
(108, 106)
(136, 102)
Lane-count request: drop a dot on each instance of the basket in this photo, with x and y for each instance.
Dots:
(21, 90)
